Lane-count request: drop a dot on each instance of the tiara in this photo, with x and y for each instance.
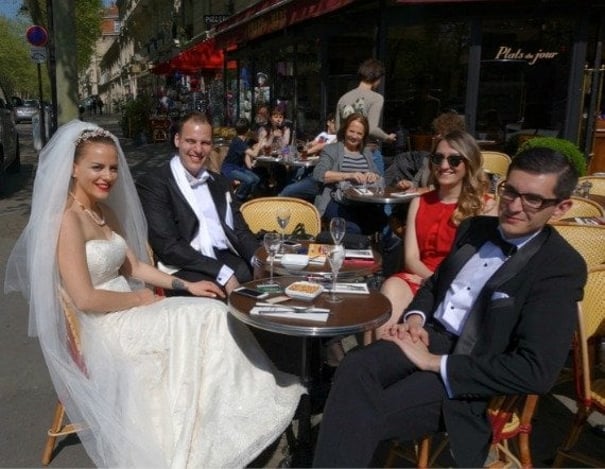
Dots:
(92, 133)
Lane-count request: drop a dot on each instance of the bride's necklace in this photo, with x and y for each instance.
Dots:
(99, 220)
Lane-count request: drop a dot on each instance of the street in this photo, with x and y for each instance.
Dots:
(27, 398)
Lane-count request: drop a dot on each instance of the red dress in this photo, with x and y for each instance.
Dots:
(435, 233)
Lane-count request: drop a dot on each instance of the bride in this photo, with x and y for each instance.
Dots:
(165, 382)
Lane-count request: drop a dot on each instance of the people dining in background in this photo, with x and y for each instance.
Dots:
(410, 169)
(302, 184)
(239, 161)
(344, 164)
(461, 191)
(142, 382)
(277, 132)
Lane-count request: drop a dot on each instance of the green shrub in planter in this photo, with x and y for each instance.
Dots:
(565, 147)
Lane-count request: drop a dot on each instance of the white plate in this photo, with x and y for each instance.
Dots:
(293, 292)
(297, 261)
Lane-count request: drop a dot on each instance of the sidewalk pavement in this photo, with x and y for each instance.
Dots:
(27, 397)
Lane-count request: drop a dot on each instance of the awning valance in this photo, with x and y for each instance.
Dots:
(201, 57)
(268, 16)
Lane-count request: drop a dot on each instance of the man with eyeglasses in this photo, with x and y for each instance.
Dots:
(495, 318)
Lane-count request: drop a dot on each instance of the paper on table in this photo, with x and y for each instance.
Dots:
(355, 288)
(288, 313)
(359, 254)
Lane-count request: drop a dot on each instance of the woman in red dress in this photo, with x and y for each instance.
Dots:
(460, 192)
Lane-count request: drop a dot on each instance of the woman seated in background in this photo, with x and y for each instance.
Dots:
(240, 159)
(460, 192)
(156, 382)
(303, 185)
(341, 165)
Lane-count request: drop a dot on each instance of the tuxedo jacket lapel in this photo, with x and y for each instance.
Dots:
(508, 270)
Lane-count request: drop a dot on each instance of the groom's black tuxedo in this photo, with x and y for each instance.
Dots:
(173, 224)
(515, 341)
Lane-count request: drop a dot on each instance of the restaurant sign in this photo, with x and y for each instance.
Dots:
(212, 20)
(508, 53)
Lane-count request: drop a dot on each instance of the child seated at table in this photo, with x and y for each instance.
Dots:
(239, 161)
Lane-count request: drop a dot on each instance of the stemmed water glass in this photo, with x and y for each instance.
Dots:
(271, 241)
(283, 218)
(338, 227)
(336, 257)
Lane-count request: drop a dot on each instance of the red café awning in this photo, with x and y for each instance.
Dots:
(200, 57)
(267, 16)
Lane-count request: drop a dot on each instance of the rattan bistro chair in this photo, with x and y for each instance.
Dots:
(598, 184)
(590, 391)
(588, 240)
(582, 207)
(260, 214)
(495, 162)
(510, 417)
(58, 426)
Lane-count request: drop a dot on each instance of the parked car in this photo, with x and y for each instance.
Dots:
(10, 157)
(25, 110)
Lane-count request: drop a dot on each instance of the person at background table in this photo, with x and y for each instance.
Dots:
(366, 101)
(410, 169)
(460, 192)
(196, 229)
(277, 132)
(342, 165)
(303, 185)
(240, 159)
(143, 382)
(496, 318)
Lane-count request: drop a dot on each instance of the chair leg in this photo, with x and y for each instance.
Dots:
(576, 429)
(51, 439)
(424, 449)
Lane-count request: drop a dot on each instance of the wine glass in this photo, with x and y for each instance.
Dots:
(338, 227)
(283, 218)
(336, 257)
(271, 241)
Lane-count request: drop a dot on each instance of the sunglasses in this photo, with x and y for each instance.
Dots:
(452, 160)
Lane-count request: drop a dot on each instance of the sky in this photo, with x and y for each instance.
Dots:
(9, 8)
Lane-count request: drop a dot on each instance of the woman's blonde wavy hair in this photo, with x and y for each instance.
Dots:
(474, 184)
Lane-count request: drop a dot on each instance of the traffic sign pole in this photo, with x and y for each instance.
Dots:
(37, 36)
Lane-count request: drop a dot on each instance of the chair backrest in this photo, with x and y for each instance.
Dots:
(260, 214)
(598, 184)
(588, 240)
(582, 207)
(591, 326)
(72, 324)
(495, 162)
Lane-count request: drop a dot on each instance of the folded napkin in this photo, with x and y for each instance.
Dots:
(276, 311)
(355, 288)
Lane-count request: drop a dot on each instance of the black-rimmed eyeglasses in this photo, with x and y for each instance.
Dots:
(452, 160)
(528, 200)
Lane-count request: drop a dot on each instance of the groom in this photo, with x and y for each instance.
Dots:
(495, 318)
(195, 228)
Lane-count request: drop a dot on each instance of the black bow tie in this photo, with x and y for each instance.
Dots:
(508, 249)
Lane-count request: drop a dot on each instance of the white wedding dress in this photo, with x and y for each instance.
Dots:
(192, 381)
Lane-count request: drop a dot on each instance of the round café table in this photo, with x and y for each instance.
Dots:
(356, 313)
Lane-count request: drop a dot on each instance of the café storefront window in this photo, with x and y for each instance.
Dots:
(429, 60)
(524, 78)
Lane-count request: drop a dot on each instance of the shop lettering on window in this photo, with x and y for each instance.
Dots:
(508, 53)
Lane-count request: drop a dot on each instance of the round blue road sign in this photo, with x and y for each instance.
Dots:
(36, 36)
